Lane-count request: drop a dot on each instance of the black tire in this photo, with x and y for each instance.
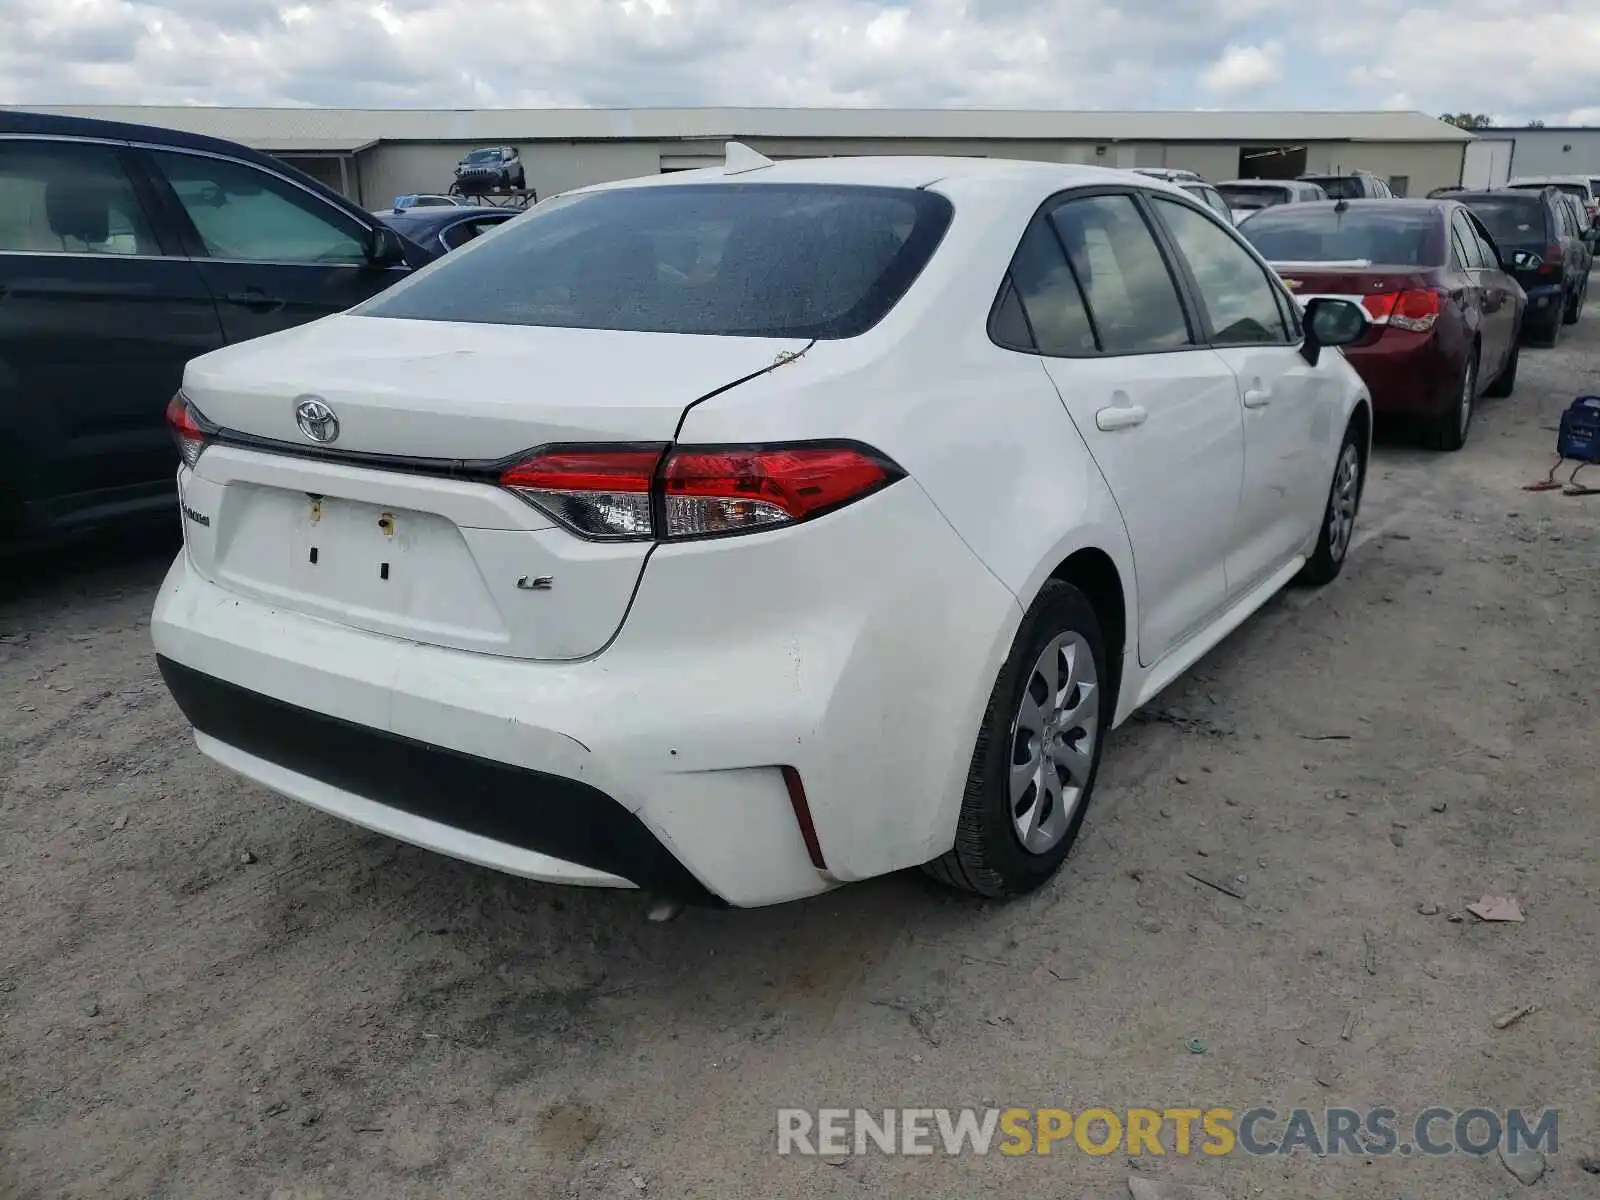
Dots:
(1507, 381)
(988, 857)
(1448, 431)
(1327, 560)
(522, 181)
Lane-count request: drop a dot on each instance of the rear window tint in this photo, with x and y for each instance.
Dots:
(1376, 234)
(1342, 187)
(1510, 220)
(1247, 196)
(739, 260)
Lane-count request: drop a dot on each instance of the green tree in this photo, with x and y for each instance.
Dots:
(1466, 120)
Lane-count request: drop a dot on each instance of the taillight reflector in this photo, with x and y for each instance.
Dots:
(598, 492)
(190, 431)
(635, 493)
(1414, 310)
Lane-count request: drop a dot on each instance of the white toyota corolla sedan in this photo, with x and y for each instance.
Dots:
(748, 531)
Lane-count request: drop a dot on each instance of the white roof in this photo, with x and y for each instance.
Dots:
(344, 128)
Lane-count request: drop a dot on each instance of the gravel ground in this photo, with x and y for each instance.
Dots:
(207, 991)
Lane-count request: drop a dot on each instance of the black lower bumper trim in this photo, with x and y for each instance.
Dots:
(532, 810)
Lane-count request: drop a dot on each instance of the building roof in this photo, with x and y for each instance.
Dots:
(330, 129)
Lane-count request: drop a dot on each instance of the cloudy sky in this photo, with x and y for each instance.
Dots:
(1513, 60)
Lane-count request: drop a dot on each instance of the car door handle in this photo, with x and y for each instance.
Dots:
(1257, 397)
(1122, 416)
(255, 300)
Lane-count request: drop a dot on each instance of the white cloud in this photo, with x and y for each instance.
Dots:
(1472, 54)
(1244, 68)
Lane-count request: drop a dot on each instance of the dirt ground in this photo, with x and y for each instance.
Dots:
(207, 991)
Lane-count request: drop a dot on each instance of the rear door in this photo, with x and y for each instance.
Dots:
(98, 315)
(1481, 312)
(1291, 410)
(274, 253)
(1502, 305)
(1158, 411)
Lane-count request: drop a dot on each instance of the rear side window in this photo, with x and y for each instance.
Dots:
(1049, 295)
(1132, 298)
(69, 198)
(741, 260)
(1468, 253)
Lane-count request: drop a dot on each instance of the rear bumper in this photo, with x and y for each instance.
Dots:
(1408, 374)
(858, 650)
(1546, 304)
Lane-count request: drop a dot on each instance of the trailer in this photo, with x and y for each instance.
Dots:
(517, 198)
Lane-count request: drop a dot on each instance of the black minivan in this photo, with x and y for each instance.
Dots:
(1543, 249)
(125, 251)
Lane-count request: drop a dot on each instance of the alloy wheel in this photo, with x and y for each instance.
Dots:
(1343, 501)
(1053, 741)
(1469, 386)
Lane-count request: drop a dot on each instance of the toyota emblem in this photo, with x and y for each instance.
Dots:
(316, 420)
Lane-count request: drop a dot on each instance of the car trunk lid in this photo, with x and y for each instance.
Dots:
(1374, 286)
(397, 525)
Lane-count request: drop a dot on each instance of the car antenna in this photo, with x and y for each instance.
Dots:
(739, 158)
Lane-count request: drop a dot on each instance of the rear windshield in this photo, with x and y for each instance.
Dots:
(1572, 189)
(1250, 196)
(742, 260)
(1341, 187)
(1300, 233)
(1510, 220)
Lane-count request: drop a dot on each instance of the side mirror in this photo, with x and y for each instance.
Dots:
(1330, 322)
(384, 247)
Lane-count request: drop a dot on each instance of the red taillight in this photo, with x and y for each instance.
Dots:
(642, 492)
(189, 429)
(730, 491)
(593, 491)
(1552, 259)
(1415, 310)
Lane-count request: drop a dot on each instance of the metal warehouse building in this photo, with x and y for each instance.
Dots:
(373, 155)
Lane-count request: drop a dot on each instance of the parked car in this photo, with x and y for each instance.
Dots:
(444, 229)
(666, 618)
(422, 200)
(1538, 245)
(1585, 188)
(1446, 317)
(489, 169)
(1193, 184)
(124, 252)
(1245, 197)
(1577, 223)
(1351, 185)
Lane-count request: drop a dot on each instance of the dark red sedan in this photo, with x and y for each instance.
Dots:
(1445, 316)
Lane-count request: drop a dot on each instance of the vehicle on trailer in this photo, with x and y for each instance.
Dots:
(661, 615)
(1246, 197)
(1543, 252)
(125, 251)
(1350, 185)
(489, 169)
(1445, 315)
(442, 230)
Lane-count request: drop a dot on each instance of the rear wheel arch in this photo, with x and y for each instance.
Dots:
(1094, 573)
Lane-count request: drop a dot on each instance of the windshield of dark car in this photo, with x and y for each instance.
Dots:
(1340, 187)
(1374, 234)
(1510, 219)
(483, 156)
(1250, 196)
(753, 260)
